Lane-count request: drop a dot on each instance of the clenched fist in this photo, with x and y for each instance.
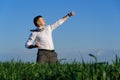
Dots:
(71, 14)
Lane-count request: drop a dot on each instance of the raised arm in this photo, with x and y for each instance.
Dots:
(61, 21)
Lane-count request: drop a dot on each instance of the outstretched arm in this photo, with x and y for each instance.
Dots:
(61, 21)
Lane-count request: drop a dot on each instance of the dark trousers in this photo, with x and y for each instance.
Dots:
(46, 56)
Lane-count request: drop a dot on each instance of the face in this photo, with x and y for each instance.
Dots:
(41, 22)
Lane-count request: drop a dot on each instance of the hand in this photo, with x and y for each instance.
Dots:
(71, 14)
(37, 44)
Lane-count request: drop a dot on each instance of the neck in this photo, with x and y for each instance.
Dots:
(40, 27)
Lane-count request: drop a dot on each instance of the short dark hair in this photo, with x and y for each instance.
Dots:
(35, 20)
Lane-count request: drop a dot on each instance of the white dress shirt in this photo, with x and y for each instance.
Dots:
(44, 37)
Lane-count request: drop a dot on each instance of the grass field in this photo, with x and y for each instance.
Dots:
(61, 71)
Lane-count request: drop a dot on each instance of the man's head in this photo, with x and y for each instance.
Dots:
(39, 21)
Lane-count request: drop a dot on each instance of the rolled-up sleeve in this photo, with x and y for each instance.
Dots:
(30, 40)
(57, 23)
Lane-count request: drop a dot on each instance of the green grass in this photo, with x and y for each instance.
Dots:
(66, 71)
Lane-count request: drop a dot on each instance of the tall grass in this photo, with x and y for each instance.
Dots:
(67, 71)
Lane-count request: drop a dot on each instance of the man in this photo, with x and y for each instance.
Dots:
(42, 37)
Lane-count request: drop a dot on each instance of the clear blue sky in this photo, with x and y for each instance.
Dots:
(96, 26)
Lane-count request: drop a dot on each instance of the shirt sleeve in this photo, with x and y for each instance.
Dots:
(31, 39)
(56, 24)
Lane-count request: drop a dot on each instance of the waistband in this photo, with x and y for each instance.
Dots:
(46, 50)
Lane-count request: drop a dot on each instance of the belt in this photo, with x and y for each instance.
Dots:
(46, 50)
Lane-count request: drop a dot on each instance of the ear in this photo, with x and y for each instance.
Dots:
(38, 23)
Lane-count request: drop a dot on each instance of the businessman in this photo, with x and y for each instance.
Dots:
(41, 38)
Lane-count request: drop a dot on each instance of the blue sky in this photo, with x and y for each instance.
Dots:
(94, 28)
